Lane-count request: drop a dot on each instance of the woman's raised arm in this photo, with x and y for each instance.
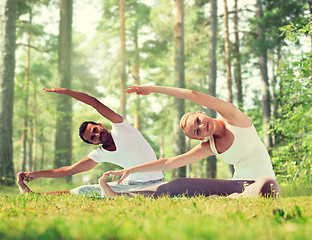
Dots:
(227, 110)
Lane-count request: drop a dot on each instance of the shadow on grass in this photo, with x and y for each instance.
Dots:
(41, 186)
(290, 189)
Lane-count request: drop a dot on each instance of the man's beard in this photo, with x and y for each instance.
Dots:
(104, 137)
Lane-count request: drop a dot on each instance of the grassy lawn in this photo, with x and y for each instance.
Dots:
(71, 217)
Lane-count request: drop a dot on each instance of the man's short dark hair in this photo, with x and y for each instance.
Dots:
(82, 130)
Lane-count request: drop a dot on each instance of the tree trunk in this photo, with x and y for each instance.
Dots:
(310, 18)
(7, 67)
(227, 48)
(280, 93)
(25, 127)
(211, 169)
(238, 75)
(123, 77)
(136, 73)
(63, 137)
(35, 128)
(30, 145)
(42, 151)
(227, 53)
(264, 80)
(179, 81)
(274, 105)
(189, 167)
(162, 147)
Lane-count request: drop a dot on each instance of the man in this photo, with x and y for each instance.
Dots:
(123, 145)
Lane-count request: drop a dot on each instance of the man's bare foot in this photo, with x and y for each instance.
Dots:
(105, 189)
(21, 185)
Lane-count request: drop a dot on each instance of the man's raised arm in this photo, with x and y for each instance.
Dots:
(87, 99)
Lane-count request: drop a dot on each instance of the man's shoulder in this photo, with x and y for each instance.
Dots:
(123, 124)
(96, 151)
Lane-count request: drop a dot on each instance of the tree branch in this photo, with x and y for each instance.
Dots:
(36, 48)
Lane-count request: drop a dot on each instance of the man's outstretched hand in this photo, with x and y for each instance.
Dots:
(56, 90)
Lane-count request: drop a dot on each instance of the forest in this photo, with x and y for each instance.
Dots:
(255, 54)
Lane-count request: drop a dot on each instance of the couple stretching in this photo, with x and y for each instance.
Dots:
(232, 136)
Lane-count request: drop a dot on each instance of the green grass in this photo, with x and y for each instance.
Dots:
(76, 217)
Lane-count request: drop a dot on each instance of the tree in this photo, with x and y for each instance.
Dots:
(291, 154)
(227, 48)
(7, 67)
(211, 170)
(136, 72)
(264, 79)
(26, 94)
(138, 17)
(179, 81)
(123, 76)
(266, 41)
(63, 137)
(228, 64)
(310, 16)
(32, 42)
(237, 74)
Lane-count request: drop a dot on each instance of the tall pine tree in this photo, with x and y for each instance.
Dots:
(7, 67)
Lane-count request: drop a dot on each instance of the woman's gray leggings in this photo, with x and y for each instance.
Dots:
(208, 187)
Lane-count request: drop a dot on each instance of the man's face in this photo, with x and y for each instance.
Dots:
(96, 134)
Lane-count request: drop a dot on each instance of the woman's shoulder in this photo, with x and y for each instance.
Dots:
(239, 119)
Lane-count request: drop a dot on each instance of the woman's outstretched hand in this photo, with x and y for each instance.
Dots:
(103, 179)
(122, 173)
(139, 90)
(27, 176)
(55, 90)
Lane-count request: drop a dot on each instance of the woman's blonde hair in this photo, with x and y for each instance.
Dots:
(184, 120)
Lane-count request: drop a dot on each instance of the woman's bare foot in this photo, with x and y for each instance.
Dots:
(234, 195)
(105, 189)
(21, 185)
(263, 186)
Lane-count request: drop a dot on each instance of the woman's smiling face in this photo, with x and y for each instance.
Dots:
(197, 125)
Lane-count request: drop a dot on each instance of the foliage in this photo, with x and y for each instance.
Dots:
(277, 13)
(292, 159)
(8, 181)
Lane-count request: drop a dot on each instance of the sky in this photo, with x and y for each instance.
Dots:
(87, 16)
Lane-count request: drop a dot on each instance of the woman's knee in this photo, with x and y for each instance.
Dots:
(270, 188)
(174, 187)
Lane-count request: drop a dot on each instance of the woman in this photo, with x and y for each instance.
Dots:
(232, 136)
